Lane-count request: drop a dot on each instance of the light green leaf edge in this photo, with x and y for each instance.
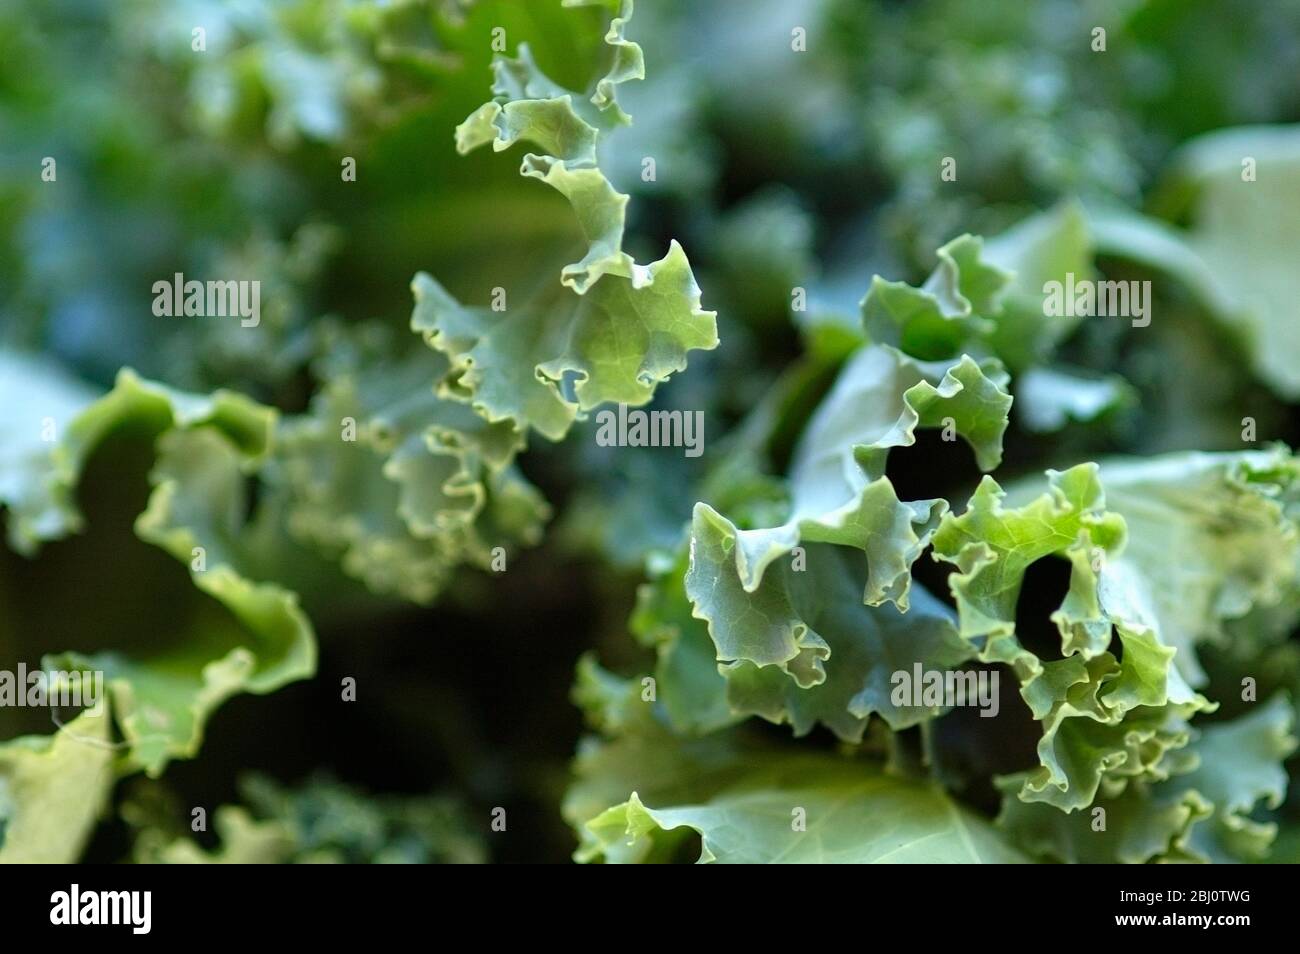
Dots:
(616, 328)
(161, 714)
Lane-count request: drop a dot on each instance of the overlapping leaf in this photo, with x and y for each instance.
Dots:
(1100, 712)
(639, 795)
(53, 789)
(613, 329)
(253, 637)
(320, 822)
(402, 485)
(1241, 187)
(1229, 518)
(1202, 814)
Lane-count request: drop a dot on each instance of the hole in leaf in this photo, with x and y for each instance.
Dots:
(933, 467)
(1045, 585)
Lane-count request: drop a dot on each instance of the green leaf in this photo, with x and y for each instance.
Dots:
(543, 364)
(1201, 814)
(59, 423)
(993, 546)
(938, 319)
(688, 684)
(53, 790)
(1049, 398)
(252, 636)
(1107, 720)
(1210, 537)
(803, 648)
(320, 822)
(1134, 827)
(766, 807)
(399, 484)
(1236, 257)
(986, 298)
(1043, 248)
(839, 493)
(1104, 719)
(865, 648)
(1240, 770)
(614, 329)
